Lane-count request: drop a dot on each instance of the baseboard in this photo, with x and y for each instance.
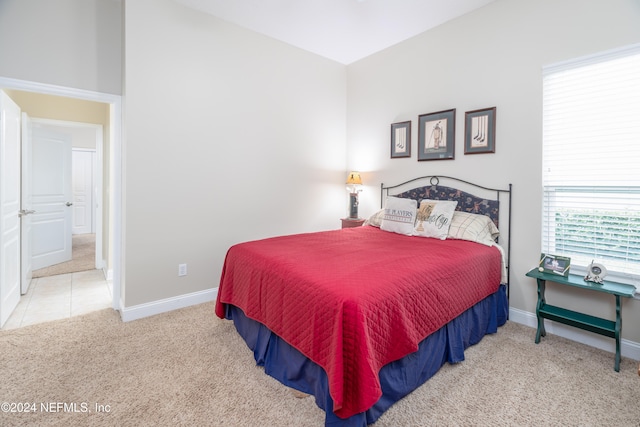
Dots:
(628, 348)
(162, 306)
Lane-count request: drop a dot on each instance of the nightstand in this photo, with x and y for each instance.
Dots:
(352, 222)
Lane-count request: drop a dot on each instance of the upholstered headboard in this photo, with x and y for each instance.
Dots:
(467, 202)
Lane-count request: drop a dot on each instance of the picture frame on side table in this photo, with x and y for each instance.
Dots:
(480, 131)
(554, 264)
(401, 139)
(437, 135)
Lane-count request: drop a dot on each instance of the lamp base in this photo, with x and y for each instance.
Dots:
(353, 205)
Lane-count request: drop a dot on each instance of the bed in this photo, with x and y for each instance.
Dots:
(360, 317)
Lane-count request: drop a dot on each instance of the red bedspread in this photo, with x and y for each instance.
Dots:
(356, 299)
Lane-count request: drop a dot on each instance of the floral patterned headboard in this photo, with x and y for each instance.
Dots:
(467, 202)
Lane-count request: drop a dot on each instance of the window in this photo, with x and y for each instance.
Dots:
(591, 162)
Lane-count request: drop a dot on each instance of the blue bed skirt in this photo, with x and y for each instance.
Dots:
(399, 378)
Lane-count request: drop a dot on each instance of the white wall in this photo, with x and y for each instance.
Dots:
(229, 136)
(71, 43)
(491, 57)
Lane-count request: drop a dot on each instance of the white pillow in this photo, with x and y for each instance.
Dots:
(375, 220)
(434, 218)
(399, 215)
(473, 227)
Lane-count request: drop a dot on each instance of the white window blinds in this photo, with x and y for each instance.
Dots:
(591, 161)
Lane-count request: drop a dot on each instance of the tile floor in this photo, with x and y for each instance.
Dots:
(62, 296)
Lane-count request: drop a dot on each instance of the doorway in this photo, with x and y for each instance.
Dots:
(75, 243)
(111, 159)
(86, 198)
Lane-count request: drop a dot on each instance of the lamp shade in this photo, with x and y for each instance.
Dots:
(354, 179)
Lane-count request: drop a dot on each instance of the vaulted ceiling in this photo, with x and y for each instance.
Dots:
(342, 30)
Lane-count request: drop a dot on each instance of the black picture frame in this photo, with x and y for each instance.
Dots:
(401, 139)
(480, 131)
(437, 135)
(554, 264)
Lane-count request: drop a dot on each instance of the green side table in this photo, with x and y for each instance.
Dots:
(608, 328)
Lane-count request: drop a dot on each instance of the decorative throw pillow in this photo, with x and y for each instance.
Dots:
(434, 218)
(399, 215)
(375, 220)
(473, 227)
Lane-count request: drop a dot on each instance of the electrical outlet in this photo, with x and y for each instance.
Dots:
(182, 269)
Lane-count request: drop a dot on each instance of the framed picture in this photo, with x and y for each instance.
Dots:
(436, 135)
(554, 264)
(401, 139)
(480, 131)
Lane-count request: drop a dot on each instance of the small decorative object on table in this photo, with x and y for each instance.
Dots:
(554, 264)
(595, 272)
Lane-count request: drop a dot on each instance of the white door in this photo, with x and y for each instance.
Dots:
(83, 191)
(52, 202)
(27, 205)
(9, 206)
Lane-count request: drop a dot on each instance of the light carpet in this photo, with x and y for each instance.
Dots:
(83, 258)
(187, 367)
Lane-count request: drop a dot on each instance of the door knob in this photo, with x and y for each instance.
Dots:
(25, 212)
(69, 203)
